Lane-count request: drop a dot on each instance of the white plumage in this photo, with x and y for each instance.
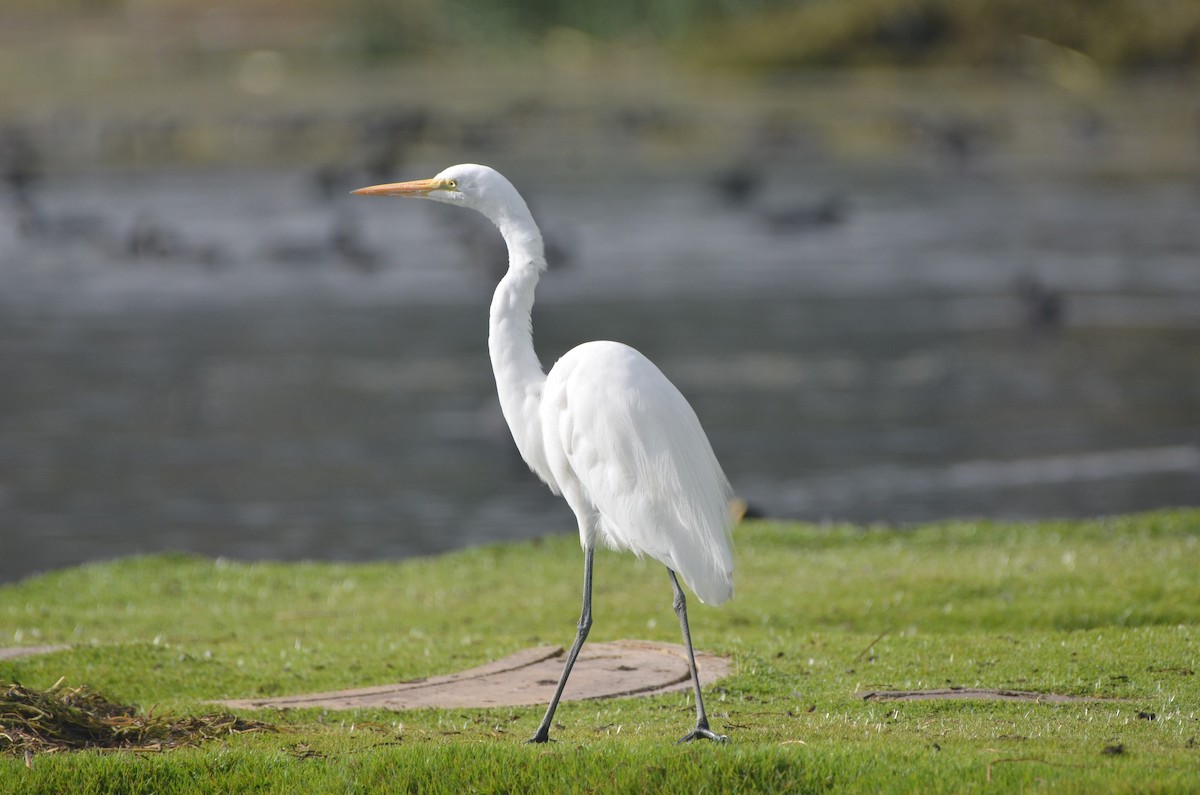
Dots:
(605, 428)
(619, 434)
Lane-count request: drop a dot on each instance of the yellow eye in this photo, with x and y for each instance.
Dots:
(452, 184)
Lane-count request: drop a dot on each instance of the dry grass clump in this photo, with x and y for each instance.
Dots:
(65, 718)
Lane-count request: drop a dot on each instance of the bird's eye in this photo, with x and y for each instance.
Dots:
(452, 184)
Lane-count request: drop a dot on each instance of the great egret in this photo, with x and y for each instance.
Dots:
(605, 429)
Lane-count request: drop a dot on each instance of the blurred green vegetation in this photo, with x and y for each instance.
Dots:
(1117, 35)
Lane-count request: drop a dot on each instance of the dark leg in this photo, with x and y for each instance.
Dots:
(585, 624)
(701, 730)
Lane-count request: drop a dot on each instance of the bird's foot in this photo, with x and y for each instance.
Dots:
(540, 738)
(703, 733)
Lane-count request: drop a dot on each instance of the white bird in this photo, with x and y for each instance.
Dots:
(605, 429)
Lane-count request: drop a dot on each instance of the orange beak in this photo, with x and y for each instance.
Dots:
(418, 187)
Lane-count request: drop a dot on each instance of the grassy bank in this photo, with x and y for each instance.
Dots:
(1115, 34)
(1107, 609)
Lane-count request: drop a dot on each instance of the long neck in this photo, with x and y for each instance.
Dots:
(519, 375)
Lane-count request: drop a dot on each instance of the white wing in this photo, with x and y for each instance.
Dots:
(623, 441)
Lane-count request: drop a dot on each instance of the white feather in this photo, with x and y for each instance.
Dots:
(635, 448)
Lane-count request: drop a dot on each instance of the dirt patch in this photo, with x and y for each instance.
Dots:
(620, 669)
(972, 692)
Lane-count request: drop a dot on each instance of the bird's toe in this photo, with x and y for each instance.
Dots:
(700, 733)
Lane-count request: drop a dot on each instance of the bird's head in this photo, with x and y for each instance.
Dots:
(483, 189)
(467, 185)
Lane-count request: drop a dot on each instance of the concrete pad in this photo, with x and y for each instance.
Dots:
(620, 669)
(16, 652)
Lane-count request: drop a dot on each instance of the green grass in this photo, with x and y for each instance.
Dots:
(1109, 608)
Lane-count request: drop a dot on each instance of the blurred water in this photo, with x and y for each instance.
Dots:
(230, 364)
